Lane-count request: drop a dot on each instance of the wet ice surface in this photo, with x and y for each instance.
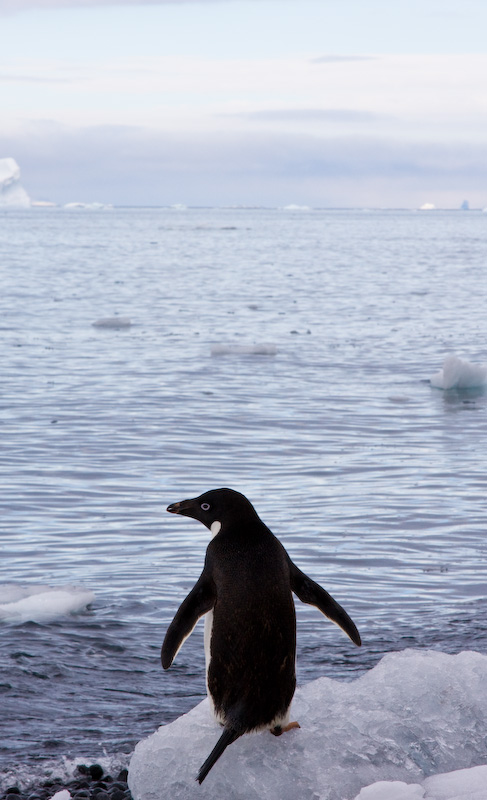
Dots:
(372, 479)
(413, 715)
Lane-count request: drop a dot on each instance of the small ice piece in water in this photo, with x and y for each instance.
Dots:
(114, 323)
(243, 350)
(459, 374)
(19, 603)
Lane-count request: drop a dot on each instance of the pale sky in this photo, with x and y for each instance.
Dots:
(324, 103)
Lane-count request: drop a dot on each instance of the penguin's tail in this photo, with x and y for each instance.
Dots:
(228, 736)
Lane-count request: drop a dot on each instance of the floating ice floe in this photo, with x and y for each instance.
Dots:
(243, 350)
(112, 322)
(459, 374)
(19, 603)
(12, 193)
(416, 714)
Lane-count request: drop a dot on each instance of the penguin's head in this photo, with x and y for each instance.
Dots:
(215, 508)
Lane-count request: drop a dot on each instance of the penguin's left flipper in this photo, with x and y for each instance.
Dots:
(312, 593)
(199, 601)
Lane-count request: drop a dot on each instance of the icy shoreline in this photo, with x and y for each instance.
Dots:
(412, 728)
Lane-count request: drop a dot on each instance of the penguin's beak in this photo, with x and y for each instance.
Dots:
(185, 507)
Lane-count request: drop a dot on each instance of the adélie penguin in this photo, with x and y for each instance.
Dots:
(245, 590)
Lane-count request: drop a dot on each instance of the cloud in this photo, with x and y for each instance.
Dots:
(340, 59)
(14, 6)
(135, 166)
(10, 78)
(337, 115)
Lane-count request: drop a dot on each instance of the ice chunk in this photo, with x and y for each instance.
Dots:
(244, 350)
(417, 713)
(39, 603)
(63, 794)
(392, 790)
(463, 784)
(459, 374)
(12, 193)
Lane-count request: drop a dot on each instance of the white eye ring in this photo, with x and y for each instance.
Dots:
(205, 506)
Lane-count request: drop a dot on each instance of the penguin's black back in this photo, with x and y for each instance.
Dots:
(251, 674)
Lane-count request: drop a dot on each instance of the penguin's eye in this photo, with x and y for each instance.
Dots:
(205, 506)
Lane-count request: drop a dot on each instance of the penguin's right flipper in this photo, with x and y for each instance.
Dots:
(198, 602)
(228, 736)
(312, 593)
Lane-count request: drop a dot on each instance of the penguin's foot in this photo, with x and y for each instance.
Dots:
(279, 729)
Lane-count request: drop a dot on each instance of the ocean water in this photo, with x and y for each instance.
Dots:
(286, 354)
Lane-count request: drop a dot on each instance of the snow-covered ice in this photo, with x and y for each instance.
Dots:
(39, 603)
(416, 714)
(457, 373)
(12, 193)
(463, 784)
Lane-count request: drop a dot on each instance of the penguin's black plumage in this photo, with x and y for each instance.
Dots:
(246, 584)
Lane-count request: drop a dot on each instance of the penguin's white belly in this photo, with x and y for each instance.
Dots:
(207, 640)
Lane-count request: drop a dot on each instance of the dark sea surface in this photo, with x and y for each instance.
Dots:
(286, 354)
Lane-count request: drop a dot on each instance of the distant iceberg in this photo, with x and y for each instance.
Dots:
(19, 603)
(427, 207)
(87, 206)
(12, 193)
(414, 715)
(459, 374)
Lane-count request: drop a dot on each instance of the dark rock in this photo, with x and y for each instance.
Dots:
(76, 785)
(13, 790)
(123, 775)
(117, 794)
(82, 769)
(96, 772)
